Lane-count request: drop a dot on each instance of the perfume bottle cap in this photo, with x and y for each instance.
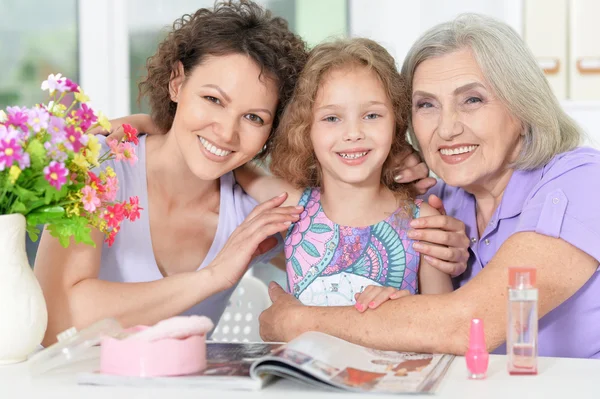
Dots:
(521, 277)
(477, 336)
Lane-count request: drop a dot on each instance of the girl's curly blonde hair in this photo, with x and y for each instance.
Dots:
(293, 157)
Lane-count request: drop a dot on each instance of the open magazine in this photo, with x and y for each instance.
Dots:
(313, 358)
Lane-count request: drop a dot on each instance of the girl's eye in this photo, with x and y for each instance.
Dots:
(213, 99)
(255, 118)
(424, 104)
(473, 100)
(372, 116)
(331, 119)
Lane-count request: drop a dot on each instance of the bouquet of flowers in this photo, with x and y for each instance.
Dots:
(50, 167)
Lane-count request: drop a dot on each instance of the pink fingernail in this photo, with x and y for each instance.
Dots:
(417, 246)
(372, 305)
(359, 306)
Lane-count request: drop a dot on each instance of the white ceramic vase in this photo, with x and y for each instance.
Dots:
(23, 314)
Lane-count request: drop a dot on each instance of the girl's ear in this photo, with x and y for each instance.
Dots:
(176, 82)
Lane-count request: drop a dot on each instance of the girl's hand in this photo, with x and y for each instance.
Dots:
(253, 238)
(142, 122)
(374, 295)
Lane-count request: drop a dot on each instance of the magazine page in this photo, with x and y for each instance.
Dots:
(340, 364)
(228, 367)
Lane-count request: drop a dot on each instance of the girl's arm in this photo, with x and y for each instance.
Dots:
(431, 279)
(262, 186)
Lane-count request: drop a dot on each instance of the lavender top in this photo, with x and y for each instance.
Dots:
(131, 258)
(558, 200)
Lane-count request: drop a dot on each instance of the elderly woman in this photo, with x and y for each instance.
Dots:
(489, 126)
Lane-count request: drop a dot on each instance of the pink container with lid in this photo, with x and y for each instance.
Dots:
(163, 357)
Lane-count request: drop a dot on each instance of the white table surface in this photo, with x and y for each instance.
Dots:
(557, 378)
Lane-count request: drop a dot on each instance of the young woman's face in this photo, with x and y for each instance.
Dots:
(353, 126)
(467, 135)
(225, 111)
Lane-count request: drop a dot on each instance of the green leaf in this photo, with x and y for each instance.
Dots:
(75, 227)
(296, 266)
(46, 215)
(310, 249)
(37, 154)
(320, 228)
(18, 207)
(33, 231)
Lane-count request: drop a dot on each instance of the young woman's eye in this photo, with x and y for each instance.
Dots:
(473, 100)
(424, 104)
(255, 118)
(213, 99)
(372, 116)
(331, 119)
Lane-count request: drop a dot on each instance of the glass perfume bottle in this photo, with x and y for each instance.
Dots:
(522, 331)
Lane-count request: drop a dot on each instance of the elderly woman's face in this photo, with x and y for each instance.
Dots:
(466, 133)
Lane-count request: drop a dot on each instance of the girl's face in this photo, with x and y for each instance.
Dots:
(353, 126)
(225, 111)
(467, 135)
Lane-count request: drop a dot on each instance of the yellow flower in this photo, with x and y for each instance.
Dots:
(81, 161)
(73, 210)
(13, 174)
(59, 110)
(103, 122)
(3, 116)
(81, 97)
(110, 172)
(94, 148)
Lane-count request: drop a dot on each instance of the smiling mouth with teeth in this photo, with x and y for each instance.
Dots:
(459, 150)
(353, 155)
(213, 149)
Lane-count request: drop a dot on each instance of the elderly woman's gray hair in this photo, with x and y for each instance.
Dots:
(513, 74)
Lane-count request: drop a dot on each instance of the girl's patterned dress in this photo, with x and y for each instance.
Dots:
(327, 263)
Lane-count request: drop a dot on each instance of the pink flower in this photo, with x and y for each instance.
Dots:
(71, 86)
(90, 201)
(74, 137)
(129, 153)
(54, 83)
(110, 189)
(114, 215)
(17, 117)
(86, 117)
(10, 151)
(56, 174)
(132, 209)
(131, 134)
(116, 149)
(38, 119)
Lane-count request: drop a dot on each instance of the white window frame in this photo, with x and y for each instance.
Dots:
(104, 55)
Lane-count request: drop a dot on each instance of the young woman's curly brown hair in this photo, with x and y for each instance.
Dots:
(229, 27)
(292, 157)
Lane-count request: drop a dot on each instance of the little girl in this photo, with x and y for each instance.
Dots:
(334, 154)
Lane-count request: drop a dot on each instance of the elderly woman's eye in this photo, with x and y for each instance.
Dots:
(424, 104)
(473, 100)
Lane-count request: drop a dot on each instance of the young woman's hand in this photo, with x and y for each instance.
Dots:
(375, 295)
(253, 238)
(413, 170)
(142, 122)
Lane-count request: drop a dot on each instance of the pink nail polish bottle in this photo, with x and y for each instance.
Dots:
(477, 356)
